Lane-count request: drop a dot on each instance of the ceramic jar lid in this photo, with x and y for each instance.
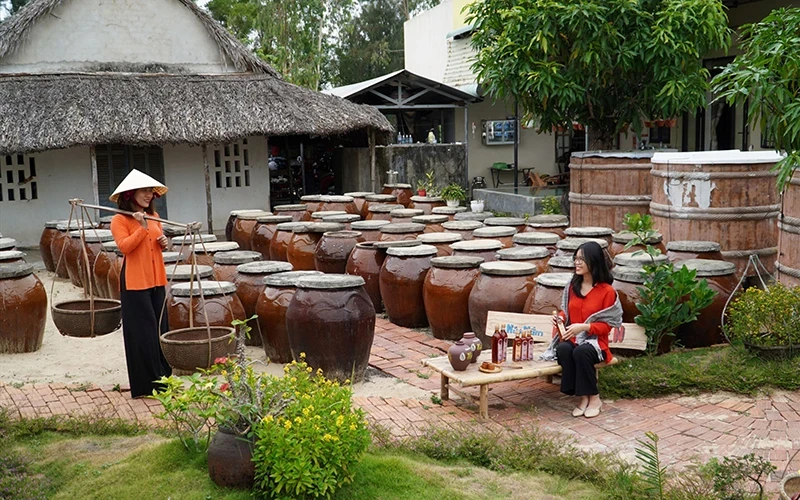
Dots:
(75, 224)
(589, 232)
(171, 257)
(494, 232)
(236, 257)
(448, 210)
(343, 235)
(290, 226)
(172, 231)
(457, 262)
(504, 221)
(427, 199)
(562, 262)
(694, 246)
(110, 246)
(393, 244)
(311, 197)
(557, 280)
(462, 225)
(11, 255)
(550, 220)
(52, 224)
(477, 245)
(330, 282)
(274, 219)
(264, 267)
(473, 216)
(368, 225)
(383, 208)
(183, 272)
(91, 235)
(571, 244)
(209, 288)
(626, 236)
(536, 238)
(636, 259)
(332, 198)
(398, 186)
(15, 270)
(359, 194)
(381, 198)
(205, 238)
(327, 213)
(290, 208)
(406, 213)
(523, 253)
(251, 214)
(215, 246)
(236, 213)
(415, 251)
(430, 219)
(402, 228)
(707, 268)
(628, 274)
(432, 238)
(319, 227)
(342, 219)
(288, 278)
(508, 268)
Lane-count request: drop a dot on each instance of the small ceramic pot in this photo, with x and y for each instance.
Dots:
(475, 344)
(459, 355)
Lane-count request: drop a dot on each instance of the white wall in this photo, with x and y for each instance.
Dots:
(425, 43)
(84, 34)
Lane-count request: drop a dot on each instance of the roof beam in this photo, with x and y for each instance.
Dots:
(385, 97)
(410, 99)
(412, 107)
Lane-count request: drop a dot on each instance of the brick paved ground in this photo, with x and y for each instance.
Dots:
(689, 427)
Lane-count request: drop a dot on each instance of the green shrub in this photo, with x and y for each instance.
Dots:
(765, 317)
(453, 191)
(551, 205)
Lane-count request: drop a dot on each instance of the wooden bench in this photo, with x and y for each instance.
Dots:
(629, 336)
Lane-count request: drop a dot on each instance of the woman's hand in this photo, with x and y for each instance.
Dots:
(139, 216)
(574, 329)
(163, 241)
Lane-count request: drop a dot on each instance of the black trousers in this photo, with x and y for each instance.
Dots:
(140, 329)
(578, 374)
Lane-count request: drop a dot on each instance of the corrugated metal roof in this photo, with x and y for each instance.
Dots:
(346, 91)
(460, 57)
(408, 79)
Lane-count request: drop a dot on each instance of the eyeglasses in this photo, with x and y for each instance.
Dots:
(579, 259)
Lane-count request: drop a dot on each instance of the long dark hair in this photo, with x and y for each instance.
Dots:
(125, 202)
(595, 258)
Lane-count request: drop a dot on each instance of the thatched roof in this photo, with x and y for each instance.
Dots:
(53, 111)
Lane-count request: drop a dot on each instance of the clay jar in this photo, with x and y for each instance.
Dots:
(460, 356)
(359, 198)
(445, 293)
(23, 309)
(249, 281)
(462, 227)
(345, 219)
(404, 214)
(379, 199)
(401, 231)
(49, 233)
(568, 246)
(319, 216)
(401, 280)
(171, 232)
(11, 257)
(312, 202)
(104, 222)
(336, 202)
(298, 212)
(377, 211)
(271, 308)
(7, 243)
(537, 256)
(76, 262)
(370, 229)
(547, 293)
(631, 259)
(403, 192)
(232, 220)
(263, 232)
(58, 249)
(225, 263)
(474, 343)
(501, 286)
(183, 243)
(303, 244)
(555, 224)
(180, 273)
(112, 277)
(622, 238)
(205, 252)
(221, 304)
(473, 216)
(503, 234)
(102, 265)
(535, 239)
(450, 212)
(426, 203)
(280, 240)
(441, 241)
(366, 260)
(485, 249)
(240, 226)
(332, 321)
(561, 264)
(678, 251)
(706, 330)
(517, 223)
(626, 283)
(333, 251)
(432, 223)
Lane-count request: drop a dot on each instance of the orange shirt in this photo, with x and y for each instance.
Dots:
(144, 263)
(601, 296)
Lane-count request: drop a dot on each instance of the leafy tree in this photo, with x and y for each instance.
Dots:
(606, 64)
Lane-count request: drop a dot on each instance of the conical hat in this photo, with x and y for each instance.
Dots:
(138, 180)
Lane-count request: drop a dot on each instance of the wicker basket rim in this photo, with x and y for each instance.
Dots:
(165, 336)
(57, 306)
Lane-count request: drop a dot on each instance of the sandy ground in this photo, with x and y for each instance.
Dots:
(101, 360)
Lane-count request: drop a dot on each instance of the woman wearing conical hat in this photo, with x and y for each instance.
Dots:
(142, 280)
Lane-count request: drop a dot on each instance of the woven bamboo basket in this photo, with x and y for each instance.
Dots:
(73, 318)
(188, 348)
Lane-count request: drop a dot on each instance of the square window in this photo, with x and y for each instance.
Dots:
(244, 141)
(238, 181)
(247, 178)
(217, 161)
(237, 166)
(218, 176)
(34, 191)
(227, 182)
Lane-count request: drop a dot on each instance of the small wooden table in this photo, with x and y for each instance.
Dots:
(495, 172)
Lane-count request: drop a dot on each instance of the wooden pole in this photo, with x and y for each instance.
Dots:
(95, 182)
(79, 203)
(373, 168)
(209, 208)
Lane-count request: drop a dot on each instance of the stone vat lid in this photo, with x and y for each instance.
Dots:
(11, 255)
(209, 288)
(562, 262)
(342, 219)
(311, 197)
(548, 220)
(494, 232)
(75, 224)
(383, 208)
(216, 246)
(439, 238)
(358, 194)
(588, 231)
(183, 272)
(288, 278)
(205, 238)
(707, 268)
(326, 213)
(290, 208)
(402, 228)
(53, 224)
(694, 246)
(415, 251)
(382, 198)
(243, 211)
(367, 245)
(628, 274)
(91, 235)
(252, 214)
(368, 225)
(462, 225)
(169, 257)
(319, 227)
(507, 268)
(172, 231)
(333, 198)
(477, 245)
(558, 280)
(398, 185)
(504, 221)
(274, 219)
(406, 212)
(264, 267)
(523, 253)
(572, 244)
(106, 219)
(625, 236)
(448, 210)
(637, 259)
(350, 235)
(394, 244)
(457, 262)
(473, 216)
(729, 157)
(536, 238)
(330, 281)
(430, 219)
(427, 199)
(638, 153)
(15, 270)
(289, 226)
(236, 257)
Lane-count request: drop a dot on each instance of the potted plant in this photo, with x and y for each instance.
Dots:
(422, 187)
(453, 194)
(766, 321)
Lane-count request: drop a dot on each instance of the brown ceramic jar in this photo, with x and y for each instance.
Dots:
(678, 251)
(403, 192)
(331, 319)
(462, 227)
(503, 234)
(205, 252)
(707, 329)
(337, 202)
(280, 240)
(547, 293)
(555, 224)
(401, 280)
(345, 219)
(359, 198)
(322, 214)
(542, 240)
(450, 212)
(79, 275)
(622, 238)
(11, 257)
(485, 249)
(102, 265)
(426, 203)
(631, 259)
(599, 233)
(366, 260)
(178, 273)
(231, 231)
(445, 294)
(23, 309)
(104, 222)
(381, 211)
(400, 215)
(112, 278)
(568, 246)
(626, 283)
(249, 281)
(183, 243)
(45, 243)
(222, 305)
(538, 256)
(432, 223)
(298, 212)
(517, 223)
(263, 232)
(441, 241)
(225, 263)
(473, 216)
(273, 302)
(370, 229)
(58, 249)
(172, 232)
(401, 231)
(303, 244)
(561, 264)
(333, 251)
(501, 286)
(7, 244)
(378, 199)
(312, 203)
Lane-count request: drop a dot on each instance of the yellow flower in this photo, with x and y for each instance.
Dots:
(309, 369)
(352, 427)
(298, 420)
(327, 437)
(339, 421)
(287, 425)
(268, 419)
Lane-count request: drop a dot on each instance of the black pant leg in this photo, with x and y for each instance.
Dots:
(585, 357)
(564, 357)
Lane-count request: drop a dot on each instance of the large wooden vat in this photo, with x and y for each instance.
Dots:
(788, 262)
(724, 196)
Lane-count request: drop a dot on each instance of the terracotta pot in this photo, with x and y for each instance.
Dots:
(102, 265)
(280, 240)
(473, 216)
(263, 232)
(243, 226)
(441, 241)
(221, 304)
(450, 212)
(303, 244)
(600, 233)
(706, 330)
(555, 224)
(517, 223)
(225, 263)
(445, 293)
(536, 239)
(7, 244)
(678, 251)
(346, 220)
(426, 203)
(378, 211)
(232, 221)
(475, 345)
(58, 249)
(45, 244)
(622, 238)
(503, 234)
(401, 215)
(183, 243)
(485, 249)
(366, 260)
(104, 222)
(460, 355)
(401, 280)
(230, 460)
(312, 202)
(626, 283)
(538, 256)
(331, 319)
(23, 309)
(322, 214)
(112, 278)
(249, 281)
(333, 251)
(298, 213)
(370, 229)
(569, 245)
(501, 286)
(632, 259)
(76, 265)
(12, 257)
(359, 198)
(462, 227)
(547, 294)
(432, 223)
(379, 199)
(399, 232)
(403, 192)
(182, 273)
(343, 203)
(204, 252)
(561, 264)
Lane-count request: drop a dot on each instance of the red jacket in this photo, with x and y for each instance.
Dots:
(601, 296)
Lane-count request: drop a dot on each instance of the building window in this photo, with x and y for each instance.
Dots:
(232, 165)
(18, 178)
(660, 135)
